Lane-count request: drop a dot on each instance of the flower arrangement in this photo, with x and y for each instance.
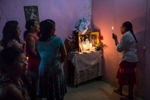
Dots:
(100, 45)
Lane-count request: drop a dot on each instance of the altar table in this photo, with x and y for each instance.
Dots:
(87, 66)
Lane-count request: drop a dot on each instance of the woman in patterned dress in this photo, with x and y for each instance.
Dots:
(52, 52)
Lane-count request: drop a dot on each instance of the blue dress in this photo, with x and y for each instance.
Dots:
(51, 76)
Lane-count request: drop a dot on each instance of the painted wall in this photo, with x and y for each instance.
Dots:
(108, 13)
(64, 12)
(105, 14)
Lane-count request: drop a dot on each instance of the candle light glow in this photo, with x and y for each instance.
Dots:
(112, 29)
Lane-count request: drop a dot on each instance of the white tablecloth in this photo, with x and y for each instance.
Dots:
(86, 64)
(86, 60)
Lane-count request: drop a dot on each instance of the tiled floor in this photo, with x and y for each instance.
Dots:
(95, 90)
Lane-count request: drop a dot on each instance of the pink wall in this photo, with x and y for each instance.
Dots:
(107, 13)
(64, 12)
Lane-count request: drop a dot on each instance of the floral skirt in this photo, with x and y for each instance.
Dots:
(52, 85)
(126, 73)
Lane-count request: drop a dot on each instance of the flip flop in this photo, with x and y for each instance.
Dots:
(118, 92)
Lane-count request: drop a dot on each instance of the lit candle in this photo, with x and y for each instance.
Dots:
(90, 46)
(112, 29)
(84, 47)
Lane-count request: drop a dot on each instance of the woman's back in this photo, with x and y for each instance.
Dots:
(50, 66)
(50, 49)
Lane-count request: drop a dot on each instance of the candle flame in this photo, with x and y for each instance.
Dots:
(112, 28)
(27, 58)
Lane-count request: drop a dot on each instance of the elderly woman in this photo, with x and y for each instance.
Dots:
(126, 71)
(14, 65)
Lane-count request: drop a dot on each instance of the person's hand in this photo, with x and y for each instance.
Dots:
(114, 36)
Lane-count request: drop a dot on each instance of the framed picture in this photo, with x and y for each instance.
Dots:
(31, 12)
(84, 42)
(84, 38)
(94, 37)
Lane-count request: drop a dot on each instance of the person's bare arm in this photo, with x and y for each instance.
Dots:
(63, 53)
(22, 41)
(30, 46)
(15, 44)
(10, 92)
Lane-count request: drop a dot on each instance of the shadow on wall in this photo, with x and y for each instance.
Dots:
(142, 71)
(141, 83)
(141, 23)
(140, 50)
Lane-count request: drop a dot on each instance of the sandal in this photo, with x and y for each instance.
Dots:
(118, 92)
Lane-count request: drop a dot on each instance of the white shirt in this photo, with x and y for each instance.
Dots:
(127, 47)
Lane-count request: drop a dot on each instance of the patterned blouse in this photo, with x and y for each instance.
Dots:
(5, 79)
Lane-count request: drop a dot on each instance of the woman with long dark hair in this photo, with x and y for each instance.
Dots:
(11, 33)
(52, 51)
(126, 71)
(10, 37)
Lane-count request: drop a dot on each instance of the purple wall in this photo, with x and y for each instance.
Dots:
(64, 12)
(108, 13)
(105, 14)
